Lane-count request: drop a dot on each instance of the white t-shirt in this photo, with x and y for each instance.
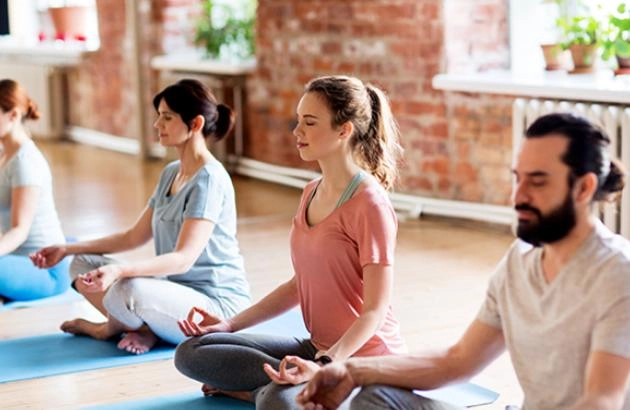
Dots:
(551, 328)
(28, 167)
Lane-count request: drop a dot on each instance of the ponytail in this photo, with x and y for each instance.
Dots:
(32, 113)
(379, 147)
(224, 123)
(611, 187)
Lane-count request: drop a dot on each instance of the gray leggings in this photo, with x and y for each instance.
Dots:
(234, 362)
(377, 397)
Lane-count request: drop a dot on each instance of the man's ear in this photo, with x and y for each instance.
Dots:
(585, 187)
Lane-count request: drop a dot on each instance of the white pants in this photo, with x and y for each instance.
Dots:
(156, 302)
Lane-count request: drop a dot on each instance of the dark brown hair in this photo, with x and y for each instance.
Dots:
(190, 98)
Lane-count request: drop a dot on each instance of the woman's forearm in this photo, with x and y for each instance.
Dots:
(171, 263)
(12, 239)
(118, 242)
(357, 335)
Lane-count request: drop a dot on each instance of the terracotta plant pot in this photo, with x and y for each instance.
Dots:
(555, 57)
(70, 22)
(584, 57)
(624, 65)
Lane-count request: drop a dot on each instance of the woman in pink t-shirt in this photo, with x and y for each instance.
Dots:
(342, 248)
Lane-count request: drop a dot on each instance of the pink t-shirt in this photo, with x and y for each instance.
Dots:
(328, 260)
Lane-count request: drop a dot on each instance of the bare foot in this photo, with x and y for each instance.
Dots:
(139, 341)
(208, 390)
(100, 331)
(240, 395)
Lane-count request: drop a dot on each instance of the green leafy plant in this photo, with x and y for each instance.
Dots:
(618, 41)
(226, 30)
(585, 30)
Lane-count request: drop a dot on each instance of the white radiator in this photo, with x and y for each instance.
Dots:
(615, 119)
(44, 84)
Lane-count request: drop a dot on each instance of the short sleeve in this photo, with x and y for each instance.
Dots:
(376, 233)
(489, 313)
(206, 199)
(26, 170)
(153, 198)
(612, 330)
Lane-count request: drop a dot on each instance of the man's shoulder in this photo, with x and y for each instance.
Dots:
(517, 261)
(608, 263)
(612, 249)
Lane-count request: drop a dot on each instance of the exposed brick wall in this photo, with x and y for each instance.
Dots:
(399, 45)
(102, 89)
(394, 44)
(480, 134)
(457, 145)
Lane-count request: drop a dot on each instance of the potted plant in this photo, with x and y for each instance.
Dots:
(582, 36)
(226, 31)
(556, 58)
(618, 42)
(69, 19)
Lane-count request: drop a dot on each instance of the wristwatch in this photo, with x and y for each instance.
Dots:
(323, 360)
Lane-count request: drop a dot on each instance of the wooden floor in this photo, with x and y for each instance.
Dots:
(442, 270)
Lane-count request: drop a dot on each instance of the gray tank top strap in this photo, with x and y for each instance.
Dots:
(351, 188)
(347, 193)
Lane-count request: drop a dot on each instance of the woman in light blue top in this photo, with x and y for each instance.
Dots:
(28, 218)
(191, 217)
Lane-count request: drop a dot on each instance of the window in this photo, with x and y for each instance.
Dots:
(32, 22)
(4, 17)
(532, 22)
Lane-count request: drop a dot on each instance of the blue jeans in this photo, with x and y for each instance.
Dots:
(21, 280)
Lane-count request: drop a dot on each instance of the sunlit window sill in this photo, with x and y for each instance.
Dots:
(601, 86)
(197, 63)
(57, 53)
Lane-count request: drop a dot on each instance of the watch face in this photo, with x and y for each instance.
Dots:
(324, 359)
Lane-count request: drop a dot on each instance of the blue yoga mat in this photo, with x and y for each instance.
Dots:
(188, 401)
(462, 395)
(68, 296)
(60, 353)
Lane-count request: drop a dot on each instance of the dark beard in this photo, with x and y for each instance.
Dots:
(548, 228)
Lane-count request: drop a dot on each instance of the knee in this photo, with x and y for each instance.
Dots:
(276, 397)
(370, 397)
(79, 265)
(185, 360)
(121, 293)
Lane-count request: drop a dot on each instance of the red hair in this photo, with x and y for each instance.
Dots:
(12, 95)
